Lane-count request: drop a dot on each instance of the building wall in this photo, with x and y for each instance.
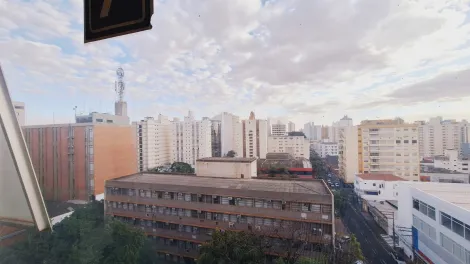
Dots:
(226, 169)
(452, 161)
(279, 129)
(348, 162)
(389, 147)
(298, 146)
(376, 190)
(216, 138)
(114, 154)
(427, 231)
(445, 177)
(58, 156)
(326, 149)
(20, 112)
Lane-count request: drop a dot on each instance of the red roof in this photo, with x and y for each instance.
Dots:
(300, 169)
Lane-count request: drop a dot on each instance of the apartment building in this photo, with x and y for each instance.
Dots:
(191, 139)
(279, 129)
(180, 212)
(20, 112)
(297, 146)
(216, 138)
(334, 129)
(438, 135)
(290, 126)
(389, 147)
(312, 131)
(153, 142)
(433, 222)
(72, 161)
(231, 133)
(255, 137)
(376, 187)
(348, 155)
(324, 149)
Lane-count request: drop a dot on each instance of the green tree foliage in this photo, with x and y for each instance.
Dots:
(304, 260)
(228, 247)
(340, 201)
(355, 248)
(181, 167)
(231, 154)
(318, 165)
(83, 238)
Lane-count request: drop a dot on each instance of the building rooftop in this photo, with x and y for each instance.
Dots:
(219, 159)
(379, 177)
(454, 193)
(303, 187)
(383, 207)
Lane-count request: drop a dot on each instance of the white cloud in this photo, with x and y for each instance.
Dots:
(304, 60)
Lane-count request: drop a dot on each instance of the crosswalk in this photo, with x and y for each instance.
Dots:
(387, 239)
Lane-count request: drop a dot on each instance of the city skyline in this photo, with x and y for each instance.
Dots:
(368, 67)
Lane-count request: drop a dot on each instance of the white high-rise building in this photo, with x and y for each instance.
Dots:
(255, 142)
(333, 130)
(191, 139)
(20, 112)
(438, 135)
(231, 133)
(298, 146)
(324, 149)
(279, 129)
(312, 131)
(290, 126)
(153, 142)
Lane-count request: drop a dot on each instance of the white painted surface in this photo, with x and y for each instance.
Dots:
(226, 169)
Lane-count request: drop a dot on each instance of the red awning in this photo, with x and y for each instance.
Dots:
(300, 169)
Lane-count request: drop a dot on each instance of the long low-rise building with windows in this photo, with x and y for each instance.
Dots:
(180, 212)
(433, 222)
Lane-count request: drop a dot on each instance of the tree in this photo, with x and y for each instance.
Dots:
(231, 154)
(229, 247)
(318, 165)
(340, 201)
(181, 167)
(83, 238)
(355, 248)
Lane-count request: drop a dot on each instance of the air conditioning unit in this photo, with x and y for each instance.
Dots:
(230, 198)
(153, 206)
(231, 224)
(258, 228)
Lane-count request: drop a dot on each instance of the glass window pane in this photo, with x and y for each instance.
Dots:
(415, 204)
(445, 220)
(467, 233)
(432, 212)
(423, 208)
(457, 227)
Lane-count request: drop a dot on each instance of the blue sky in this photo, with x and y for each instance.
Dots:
(308, 61)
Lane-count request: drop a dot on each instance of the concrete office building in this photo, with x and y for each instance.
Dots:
(191, 139)
(348, 157)
(297, 146)
(180, 212)
(20, 112)
(72, 161)
(153, 142)
(433, 222)
(376, 188)
(389, 147)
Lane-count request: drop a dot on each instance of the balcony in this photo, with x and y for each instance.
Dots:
(224, 208)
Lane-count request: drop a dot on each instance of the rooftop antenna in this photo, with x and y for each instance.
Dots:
(119, 86)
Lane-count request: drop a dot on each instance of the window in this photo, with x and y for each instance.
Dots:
(457, 250)
(414, 141)
(458, 227)
(416, 204)
(406, 141)
(446, 220)
(424, 208)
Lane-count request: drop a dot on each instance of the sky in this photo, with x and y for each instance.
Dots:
(297, 60)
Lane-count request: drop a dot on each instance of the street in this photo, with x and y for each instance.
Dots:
(374, 248)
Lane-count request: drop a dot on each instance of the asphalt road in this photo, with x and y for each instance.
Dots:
(374, 248)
